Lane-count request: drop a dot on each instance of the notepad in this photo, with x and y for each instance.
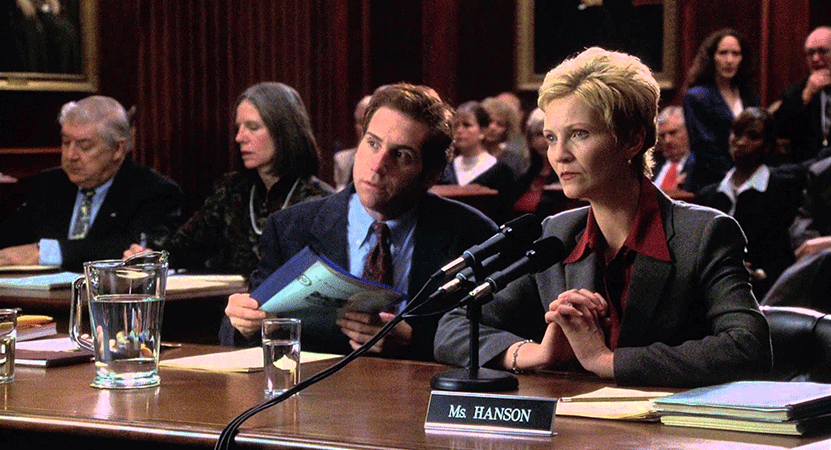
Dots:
(247, 360)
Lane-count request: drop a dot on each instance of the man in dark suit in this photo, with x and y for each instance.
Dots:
(803, 117)
(674, 145)
(401, 155)
(97, 202)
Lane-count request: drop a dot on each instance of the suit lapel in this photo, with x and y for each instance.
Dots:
(649, 285)
(117, 196)
(329, 229)
(582, 274)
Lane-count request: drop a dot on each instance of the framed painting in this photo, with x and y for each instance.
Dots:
(548, 31)
(49, 45)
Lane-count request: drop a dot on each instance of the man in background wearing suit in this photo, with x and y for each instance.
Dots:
(674, 146)
(804, 117)
(97, 202)
(403, 152)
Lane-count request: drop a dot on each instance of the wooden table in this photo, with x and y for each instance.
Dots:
(191, 315)
(371, 404)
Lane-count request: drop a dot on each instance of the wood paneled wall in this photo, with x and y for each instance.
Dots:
(184, 62)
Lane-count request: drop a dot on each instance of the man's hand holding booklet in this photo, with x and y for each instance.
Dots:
(309, 284)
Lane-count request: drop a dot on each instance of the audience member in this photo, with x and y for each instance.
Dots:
(280, 157)
(804, 117)
(97, 202)
(807, 283)
(503, 137)
(652, 291)
(674, 148)
(530, 187)
(344, 159)
(401, 155)
(762, 199)
(473, 164)
(717, 88)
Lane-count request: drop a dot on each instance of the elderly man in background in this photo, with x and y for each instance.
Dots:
(674, 145)
(97, 202)
(804, 117)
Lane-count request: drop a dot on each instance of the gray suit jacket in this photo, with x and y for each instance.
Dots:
(444, 229)
(692, 321)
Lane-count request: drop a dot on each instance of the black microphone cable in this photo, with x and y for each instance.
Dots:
(226, 437)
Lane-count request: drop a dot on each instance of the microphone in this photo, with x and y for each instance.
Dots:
(543, 254)
(516, 233)
(466, 279)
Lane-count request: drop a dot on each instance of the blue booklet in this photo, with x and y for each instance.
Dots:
(310, 282)
(41, 282)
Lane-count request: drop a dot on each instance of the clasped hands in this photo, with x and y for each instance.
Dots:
(246, 317)
(576, 320)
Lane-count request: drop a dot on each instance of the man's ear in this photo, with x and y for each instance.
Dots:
(120, 150)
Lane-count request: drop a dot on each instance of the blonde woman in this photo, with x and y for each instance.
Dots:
(651, 291)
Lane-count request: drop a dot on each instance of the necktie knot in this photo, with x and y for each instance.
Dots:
(381, 230)
(84, 217)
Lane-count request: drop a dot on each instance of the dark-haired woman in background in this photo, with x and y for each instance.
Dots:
(280, 156)
(762, 199)
(717, 89)
(473, 164)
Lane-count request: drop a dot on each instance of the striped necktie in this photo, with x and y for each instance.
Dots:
(82, 221)
(378, 266)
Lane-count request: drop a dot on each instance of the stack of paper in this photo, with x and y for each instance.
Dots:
(611, 403)
(793, 408)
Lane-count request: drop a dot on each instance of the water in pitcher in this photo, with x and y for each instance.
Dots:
(126, 334)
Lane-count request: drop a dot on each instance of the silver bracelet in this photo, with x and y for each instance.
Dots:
(514, 368)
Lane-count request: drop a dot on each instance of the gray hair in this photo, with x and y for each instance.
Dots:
(105, 112)
(671, 111)
(535, 121)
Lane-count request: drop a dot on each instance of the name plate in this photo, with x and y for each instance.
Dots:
(491, 413)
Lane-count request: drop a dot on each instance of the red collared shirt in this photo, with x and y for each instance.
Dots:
(647, 238)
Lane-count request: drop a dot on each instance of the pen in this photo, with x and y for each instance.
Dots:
(608, 399)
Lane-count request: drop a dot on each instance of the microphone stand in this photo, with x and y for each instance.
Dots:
(475, 378)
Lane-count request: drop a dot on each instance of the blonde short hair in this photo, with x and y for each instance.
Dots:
(618, 87)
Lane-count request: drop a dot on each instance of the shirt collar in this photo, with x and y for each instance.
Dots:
(360, 224)
(647, 236)
(100, 191)
(758, 181)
